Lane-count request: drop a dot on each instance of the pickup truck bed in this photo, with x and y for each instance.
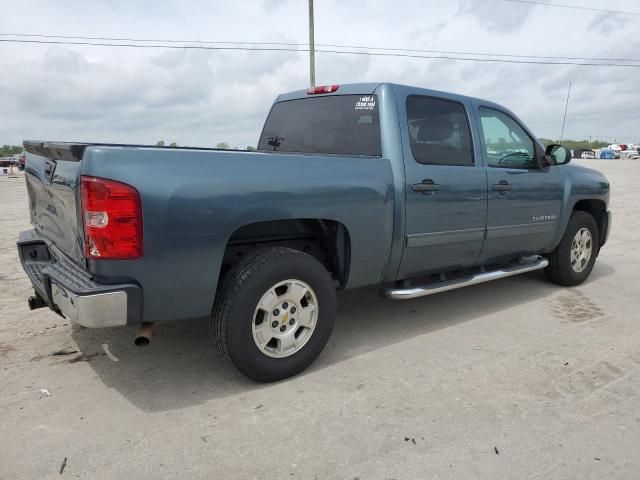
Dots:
(192, 207)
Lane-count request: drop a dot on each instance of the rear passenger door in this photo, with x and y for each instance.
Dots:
(446, 191)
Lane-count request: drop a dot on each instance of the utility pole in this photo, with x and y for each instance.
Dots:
(565, 112)
(312, 49)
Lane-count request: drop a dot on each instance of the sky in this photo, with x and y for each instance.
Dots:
(200, 98)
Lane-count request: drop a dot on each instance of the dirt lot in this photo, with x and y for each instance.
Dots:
(514, 379)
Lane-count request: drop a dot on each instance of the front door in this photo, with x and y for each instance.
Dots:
(524, 197)
(446, 191)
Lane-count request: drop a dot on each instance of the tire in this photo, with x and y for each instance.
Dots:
(560, 269)
(239, 324)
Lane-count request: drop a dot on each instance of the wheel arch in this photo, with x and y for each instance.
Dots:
(326, 240)
(598, 210)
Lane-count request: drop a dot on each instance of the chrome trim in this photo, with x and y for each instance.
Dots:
(430, 289)
(520, 229)
(446, 237)
(92, 311)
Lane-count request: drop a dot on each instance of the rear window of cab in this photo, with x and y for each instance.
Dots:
(336, 124)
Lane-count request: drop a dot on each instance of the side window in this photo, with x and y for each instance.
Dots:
(507, 144)
(439, 131)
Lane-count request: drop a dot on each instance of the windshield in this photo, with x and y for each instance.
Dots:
(338, 124)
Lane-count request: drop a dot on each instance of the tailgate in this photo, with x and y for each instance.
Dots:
(52, 173)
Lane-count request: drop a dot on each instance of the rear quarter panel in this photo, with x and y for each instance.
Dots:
(193, 201)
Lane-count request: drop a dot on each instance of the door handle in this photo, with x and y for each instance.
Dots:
(503, 186)
(426, 186)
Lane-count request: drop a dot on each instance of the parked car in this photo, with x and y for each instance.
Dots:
(608, 154)
(615, 147)
(630, 155)
(415, 190)
(588, 154)
(21, 159)
(7, 162)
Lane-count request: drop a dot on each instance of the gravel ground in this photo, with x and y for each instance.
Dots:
(514, 379)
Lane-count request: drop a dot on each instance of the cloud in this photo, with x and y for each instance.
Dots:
(181, 95)
(269, 5)
(204, 97)
(496, 15)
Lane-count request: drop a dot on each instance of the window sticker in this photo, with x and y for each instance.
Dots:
(366, 103)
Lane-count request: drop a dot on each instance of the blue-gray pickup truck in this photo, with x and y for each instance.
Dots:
(415, 190)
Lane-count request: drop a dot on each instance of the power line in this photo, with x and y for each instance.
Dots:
(484, 54)
(576, 7)
(164, 40)
(329, 45)
(338, 52)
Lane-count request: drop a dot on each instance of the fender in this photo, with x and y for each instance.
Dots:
(578, 183)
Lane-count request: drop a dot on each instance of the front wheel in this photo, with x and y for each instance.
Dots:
(274, 313)
(572, 261)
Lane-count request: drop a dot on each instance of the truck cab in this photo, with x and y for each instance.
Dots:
(478, 185)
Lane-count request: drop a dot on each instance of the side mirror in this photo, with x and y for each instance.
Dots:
(557, 154)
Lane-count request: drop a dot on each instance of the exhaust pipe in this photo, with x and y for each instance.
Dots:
(35, 302)
(143, 337)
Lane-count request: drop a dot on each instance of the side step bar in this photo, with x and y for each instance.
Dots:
(481, 277)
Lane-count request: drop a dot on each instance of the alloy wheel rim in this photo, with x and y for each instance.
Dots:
(581, 250)
(285, 318)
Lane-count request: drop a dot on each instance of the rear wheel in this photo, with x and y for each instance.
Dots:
(274, 313)
(572, 261)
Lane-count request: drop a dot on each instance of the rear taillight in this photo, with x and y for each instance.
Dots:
(112, 219)
(322, 89)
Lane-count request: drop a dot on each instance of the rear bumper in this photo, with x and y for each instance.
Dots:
(69, 290)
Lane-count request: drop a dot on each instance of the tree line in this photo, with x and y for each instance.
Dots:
(577, 144)
(11, 150)
(220, 145)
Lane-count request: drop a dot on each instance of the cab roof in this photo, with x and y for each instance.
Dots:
(369, 88)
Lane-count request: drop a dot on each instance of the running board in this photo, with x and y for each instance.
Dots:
(481, 277)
